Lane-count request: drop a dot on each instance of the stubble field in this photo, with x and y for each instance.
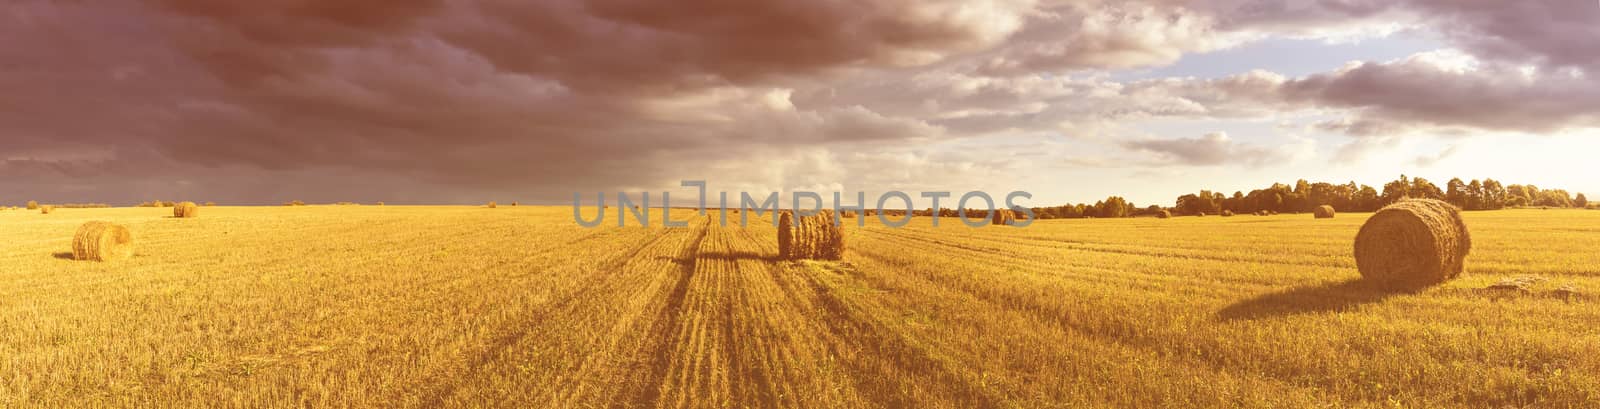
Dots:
(519, 307)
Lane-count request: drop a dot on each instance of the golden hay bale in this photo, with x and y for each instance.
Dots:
(1163, 214)
(515, 204)
(210, 204)
(1003, 217)
(813, 237)
(32, 205)
(46, 209)
(1227, 213)
(102, 241)
(493, 205)
(1324, 212)
(185, 210)
(785, 235)
(1413, 243)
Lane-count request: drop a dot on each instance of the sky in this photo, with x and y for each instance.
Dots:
(452, 101)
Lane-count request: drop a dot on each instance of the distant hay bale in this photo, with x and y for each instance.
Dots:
(102, 241)
(1324, 212)
(813, 237)
(1227, 213)
(848, 214)
(1200, 214)
(46, 209)
(185, 210)
(515, 204)
(210, 204)
(493, 205)
(380, 203)
(1003, 217)
(32, 205)
(1164, 214)
(1413, 243)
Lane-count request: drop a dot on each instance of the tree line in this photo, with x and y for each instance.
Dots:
(1303, 196)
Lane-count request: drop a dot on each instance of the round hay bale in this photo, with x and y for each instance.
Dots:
(46, 209)
(1003, 217)
(493, 205)
(1323, 212)
(1164, 214)
(185, 210)
(785, 235)
(1200, 214)
(1413, 243)
(1227, 213)
(813, 237)
(102, 241)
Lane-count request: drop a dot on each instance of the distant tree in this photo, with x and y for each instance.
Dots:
(1456, 193)
(1476, 197)
(1367, 199)
(1114, 207)
(1235, 203)
(1396, 190)
(1581, 201)
(1189, 204)
(1423, 189)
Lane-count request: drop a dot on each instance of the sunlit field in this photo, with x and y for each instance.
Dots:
(520, 307)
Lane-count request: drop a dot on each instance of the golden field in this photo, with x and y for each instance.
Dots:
(398, 306)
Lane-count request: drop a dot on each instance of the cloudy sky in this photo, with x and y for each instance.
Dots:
(455, 101)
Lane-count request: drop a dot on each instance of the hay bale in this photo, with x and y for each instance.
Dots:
(1200, 214)
(1164, 214)
(515, 204)
(32, 205)
(1413, 243)
(211, 204)
(1003, 217)
(1227, 213)
(493, 205)
(46, 209)
(813, 237)
(1323, 212)
(185, 210)
(102, 241)
(785, 235)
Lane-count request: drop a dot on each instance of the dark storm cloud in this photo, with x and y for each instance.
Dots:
(442, 100)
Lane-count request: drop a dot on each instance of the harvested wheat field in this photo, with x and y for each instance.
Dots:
(400, 306)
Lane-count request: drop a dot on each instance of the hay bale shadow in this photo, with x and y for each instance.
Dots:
(1327, 297)
(64, 255)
